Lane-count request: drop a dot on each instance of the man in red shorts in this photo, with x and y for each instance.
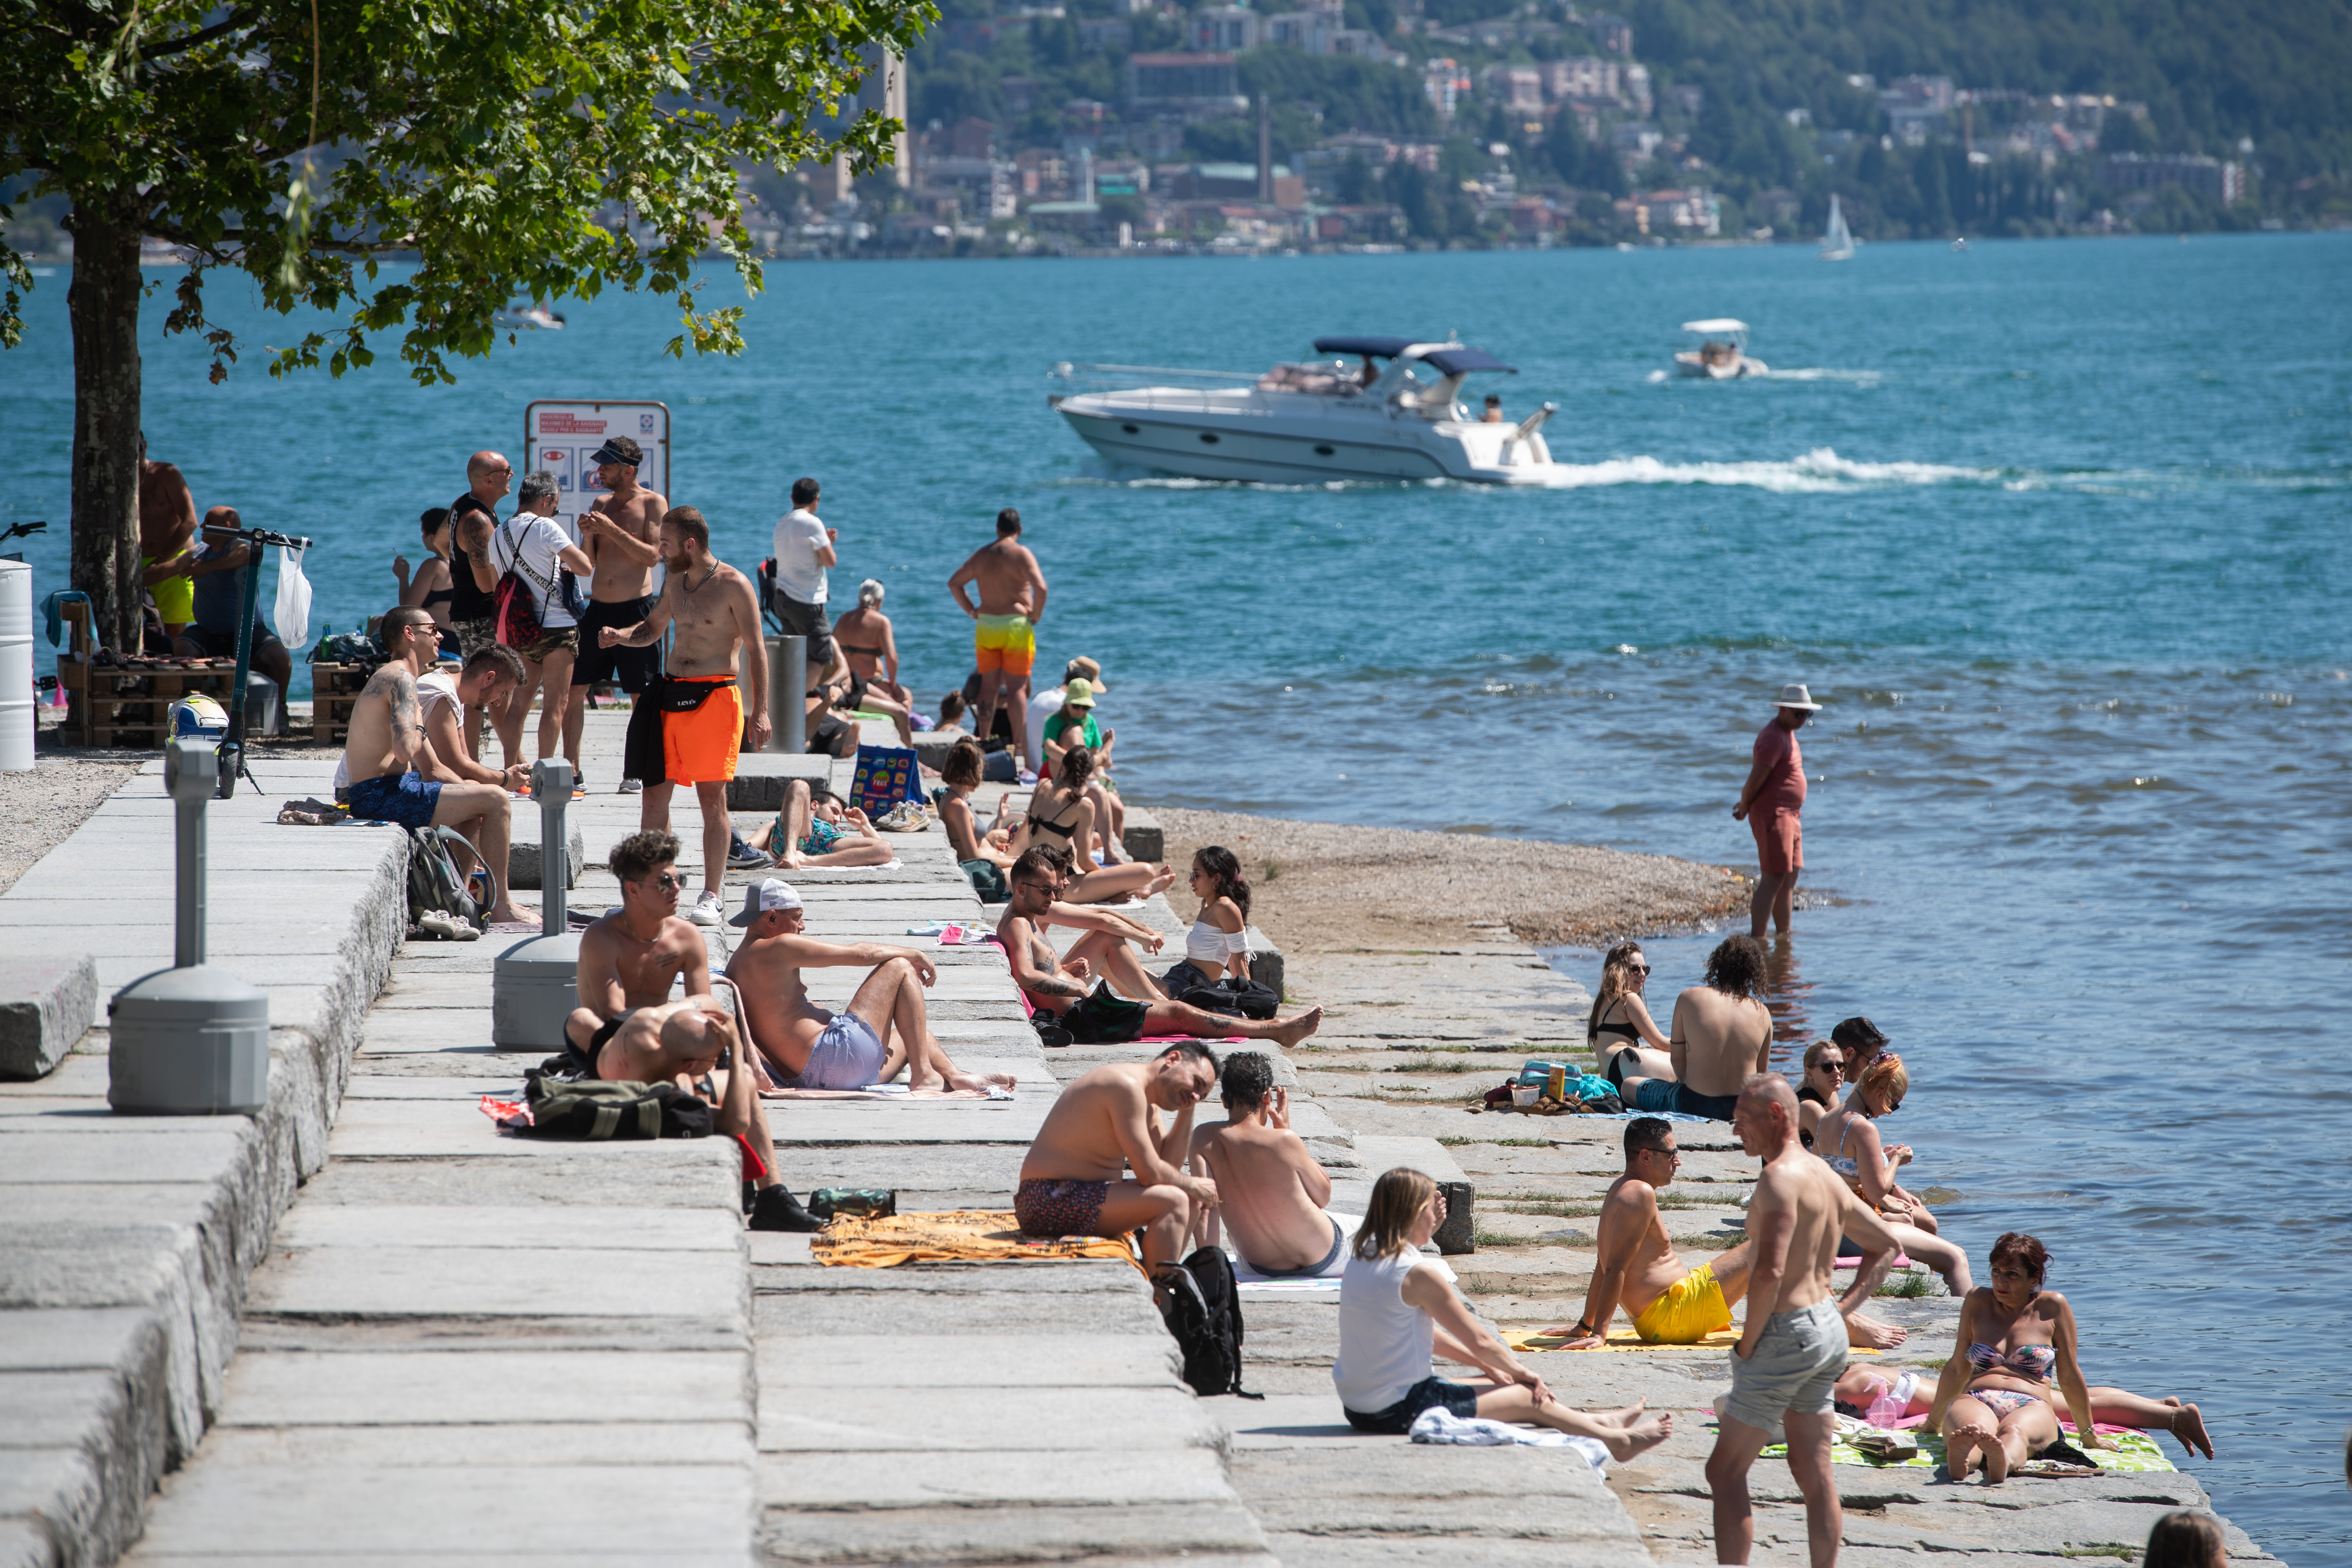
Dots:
(705, 719)
(1770, 804)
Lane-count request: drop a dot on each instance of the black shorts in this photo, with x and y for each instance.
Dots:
(223, 645)
(1101, 1018)
(1459, 1398)
(807, 621)
(1714, 1106)
(633, 668)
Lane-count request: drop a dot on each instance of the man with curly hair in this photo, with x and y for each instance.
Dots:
(1722, 1032)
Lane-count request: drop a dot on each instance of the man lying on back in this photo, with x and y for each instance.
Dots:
(1270, 1189)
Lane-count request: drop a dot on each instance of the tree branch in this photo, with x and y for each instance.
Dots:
(227, 25)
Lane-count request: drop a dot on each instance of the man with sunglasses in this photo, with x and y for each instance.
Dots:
(634, 955)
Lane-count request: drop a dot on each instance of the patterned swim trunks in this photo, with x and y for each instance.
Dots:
(1053, 1207)
(1008, 643)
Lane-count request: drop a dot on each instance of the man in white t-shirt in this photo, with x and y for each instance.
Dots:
(804, 547)
(535, 548)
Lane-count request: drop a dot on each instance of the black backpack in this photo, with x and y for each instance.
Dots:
(595, 1109)
(1205, 1313)
(1234, 998)
(435, 883)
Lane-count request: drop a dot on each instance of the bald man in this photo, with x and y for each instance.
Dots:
(689, 1042)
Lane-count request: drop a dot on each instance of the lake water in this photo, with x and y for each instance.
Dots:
(2057, 532)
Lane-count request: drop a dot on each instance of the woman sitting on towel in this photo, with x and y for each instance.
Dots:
(961, 774)
(1061, 815)
(1218, 943)
(1398, 1308)
(1847, 1139)
(1622, 1035)
(1824, 1088)
(1994, 1403)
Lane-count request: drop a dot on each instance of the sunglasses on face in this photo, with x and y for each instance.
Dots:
(669, 882)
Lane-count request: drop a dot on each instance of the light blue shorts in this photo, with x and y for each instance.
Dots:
(848, 1054)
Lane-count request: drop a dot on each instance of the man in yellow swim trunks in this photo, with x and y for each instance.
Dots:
(1004, 637)
(167, 536)
(1639, 1271)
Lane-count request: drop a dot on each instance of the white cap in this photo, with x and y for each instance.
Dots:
(769, 893)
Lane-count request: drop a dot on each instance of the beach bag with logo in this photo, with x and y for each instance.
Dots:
(517, 620)
(596, 1110)
(1204, 1314)
(1234, 998)
(434, 882)
(886, 776)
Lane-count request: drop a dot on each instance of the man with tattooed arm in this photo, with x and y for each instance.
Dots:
(388, 737)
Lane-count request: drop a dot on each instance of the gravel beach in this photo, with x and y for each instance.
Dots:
(1326, 886)
(39, 809)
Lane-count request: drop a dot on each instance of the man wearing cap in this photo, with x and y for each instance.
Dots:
(884, 1028)
(621, 532)
(1770, 804)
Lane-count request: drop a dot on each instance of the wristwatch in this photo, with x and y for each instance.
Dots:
(1583, 1330)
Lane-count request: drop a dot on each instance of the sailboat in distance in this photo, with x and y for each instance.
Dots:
(1837, 240)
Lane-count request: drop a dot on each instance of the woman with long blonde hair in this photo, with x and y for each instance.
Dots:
(1622, 1036)
(1398, 1308)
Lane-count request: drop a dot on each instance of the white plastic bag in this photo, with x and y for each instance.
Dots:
(293, 616)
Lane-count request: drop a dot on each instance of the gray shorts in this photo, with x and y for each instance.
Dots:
(1797, 1362)
(848, 1054)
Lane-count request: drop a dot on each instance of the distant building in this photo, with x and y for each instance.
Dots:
(2214, 180)
(882, 91)
(983, 187)
(1918, 107)
(1224, 29)
(1104, 32)
(1586, 77)
(1445, 82)
(1516, 87)
(1685, 100)
(1019, 94)
(971, 137)
(1231, 182)
(1636, 90)
(1613, 35)
(1183, 83)
(1637, 138)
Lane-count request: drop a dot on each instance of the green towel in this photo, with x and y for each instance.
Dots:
(2133, 1451)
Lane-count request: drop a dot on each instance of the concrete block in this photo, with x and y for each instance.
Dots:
(500, 1281)
(761, 777)
(891, 1420)
(1047, 1478)
(47, 1003)
(1429, 1156)
(1142, 839)
(459, 1388)
(972, 1360)
(1266, 961)
(523, 860)
(1134, 1534)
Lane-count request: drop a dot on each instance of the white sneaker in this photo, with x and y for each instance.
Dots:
(708, 911)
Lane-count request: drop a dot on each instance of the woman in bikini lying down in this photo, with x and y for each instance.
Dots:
(1995, 1404)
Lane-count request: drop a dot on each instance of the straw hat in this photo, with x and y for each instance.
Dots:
(1794, 695)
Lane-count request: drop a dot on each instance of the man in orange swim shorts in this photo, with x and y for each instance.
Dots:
(1770, 805)
(705, 719)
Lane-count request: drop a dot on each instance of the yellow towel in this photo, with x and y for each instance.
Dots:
(968, 1236)
(1627, 1340)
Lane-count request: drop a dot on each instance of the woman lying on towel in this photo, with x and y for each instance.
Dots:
(1061, 815)
(1398, 1308)
(1994, 1403)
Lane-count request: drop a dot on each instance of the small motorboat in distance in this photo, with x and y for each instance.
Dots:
(1381, 409)
(1722, 352)
(536, 317)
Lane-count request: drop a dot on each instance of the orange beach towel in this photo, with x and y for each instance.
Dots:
(957, 1236)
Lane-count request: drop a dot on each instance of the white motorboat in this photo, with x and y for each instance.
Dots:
(1837, 240)
(538, 318)
(1722, 352)
(1393, 413)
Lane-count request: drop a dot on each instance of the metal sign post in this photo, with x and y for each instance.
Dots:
(788, 695)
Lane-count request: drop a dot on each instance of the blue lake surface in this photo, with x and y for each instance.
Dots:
(2057, 532)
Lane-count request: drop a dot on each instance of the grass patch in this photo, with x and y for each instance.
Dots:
(1455, 1142)
(1554, 1207)
(1481, 1237)
(1910, 1287)
(1428, 1064)
(1269, 870)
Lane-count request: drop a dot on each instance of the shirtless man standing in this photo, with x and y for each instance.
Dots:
(620, 530)
(388, 734)
(1012, 601)
(167, 538)
(716, 612)
(1791, 1348)
(689, 1042)
(883, 1027)
(1270, 1189)
(1637, 1268)
(1722, 1031)
(1066, 991)
(1074, 1179)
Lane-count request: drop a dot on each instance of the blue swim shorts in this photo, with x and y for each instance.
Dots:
(848, 1054)
(402, 799)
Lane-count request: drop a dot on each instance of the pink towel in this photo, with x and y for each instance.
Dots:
(1900, 1262)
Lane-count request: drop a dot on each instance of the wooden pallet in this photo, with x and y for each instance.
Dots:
(125, 705)
(334, 692)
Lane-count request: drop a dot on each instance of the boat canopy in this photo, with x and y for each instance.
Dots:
(1382, 348)
(1718, 324)
(1461, 362)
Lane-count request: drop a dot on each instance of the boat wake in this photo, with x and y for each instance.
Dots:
(1819, 471)
(1854, 377)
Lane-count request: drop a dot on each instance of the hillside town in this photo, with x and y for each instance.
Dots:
(1064, 129)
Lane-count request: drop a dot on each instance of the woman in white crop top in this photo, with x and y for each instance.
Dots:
(1218, 943)
(1397, 1308)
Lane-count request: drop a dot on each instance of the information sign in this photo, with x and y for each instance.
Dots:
(562, 434)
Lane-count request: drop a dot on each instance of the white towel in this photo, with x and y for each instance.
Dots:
(1439, 1425)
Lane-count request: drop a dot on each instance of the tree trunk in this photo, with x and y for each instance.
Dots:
(103, 304)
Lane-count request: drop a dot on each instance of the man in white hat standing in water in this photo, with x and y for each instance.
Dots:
(1771, 805)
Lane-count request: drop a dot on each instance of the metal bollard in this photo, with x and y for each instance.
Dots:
(190, 1040)
(534, 984)
(788, 694)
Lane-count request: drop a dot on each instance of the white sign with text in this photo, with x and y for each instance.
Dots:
(562, 434)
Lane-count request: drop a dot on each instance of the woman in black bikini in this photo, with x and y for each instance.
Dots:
(1620, 1031)
(430, 589)
(1061, 815)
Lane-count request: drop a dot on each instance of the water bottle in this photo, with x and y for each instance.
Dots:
(1892, 1402)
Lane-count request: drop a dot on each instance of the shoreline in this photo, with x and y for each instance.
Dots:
(1336, 887)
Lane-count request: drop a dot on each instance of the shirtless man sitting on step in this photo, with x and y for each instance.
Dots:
(1073, 1179)
(1637, 1268)
(1722, 1031)
(883, 1030)
(1270, 1189)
